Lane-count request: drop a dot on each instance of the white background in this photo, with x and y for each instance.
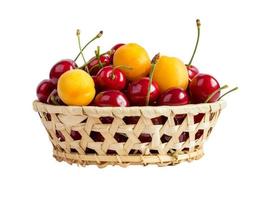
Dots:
(233, 47)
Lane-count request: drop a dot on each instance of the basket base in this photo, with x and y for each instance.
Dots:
(124, 161)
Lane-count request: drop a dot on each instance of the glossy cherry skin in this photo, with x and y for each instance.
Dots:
(60, 67)
(192, 71)
(114, 48)
(137, 91)
(111, 79)
(54, 98)
(44, 89)
(111, 98)
(105, 60)
(174, 97)
(202, 86)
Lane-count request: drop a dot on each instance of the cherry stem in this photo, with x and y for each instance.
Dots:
(79, 44)
(97, 53)
(215, 92)
(96, 37)
(198, 24)
(119, 67)
(53, 100)
(153, 63)
(236, 88)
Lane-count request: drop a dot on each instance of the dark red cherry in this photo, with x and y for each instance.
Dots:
(111, 98)
(60, 67)
(109, 78)
(137, 91)
(174, 97)
(60, 136)
(202, 86)
(76, 135)
(131, 119)
(54, 98)
(192, 71)
(114, 48)
(44, 89)
(93, 65)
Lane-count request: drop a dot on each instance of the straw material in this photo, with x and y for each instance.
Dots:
(162, 135)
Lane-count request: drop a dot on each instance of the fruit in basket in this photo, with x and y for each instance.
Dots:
(202, 86)
(44, 89)
(105, 59)
(111, 98)
(134, 56)
(170, 72)
(174, 97)
(60, 67)
(192, 71)
(110, 78)
(114, 48)
(76, 88)
(137, 91)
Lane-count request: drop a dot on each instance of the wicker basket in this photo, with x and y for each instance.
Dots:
(164, 135)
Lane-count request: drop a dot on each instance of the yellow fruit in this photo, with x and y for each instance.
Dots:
(76, 88)
(134, 56)
(170, 72)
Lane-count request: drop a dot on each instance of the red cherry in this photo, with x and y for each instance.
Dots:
(60, 67)
(60, 136)
(114, 48)
(192, 71)
(113, 98)
(109, 78)
(54, 98)
(105, 60)
(174, 97)
(137, 91)
(76, 135)
(94, 79)
(44, 89)
(202, 86)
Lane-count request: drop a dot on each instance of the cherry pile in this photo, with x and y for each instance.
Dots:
(113, 89)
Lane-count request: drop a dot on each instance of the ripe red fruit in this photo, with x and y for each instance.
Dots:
(137, 91)
(44, 89)
(105, 60)
(109, 78)
(202, 86)
(111, 98)
(114, 48)
(192, 71)
(174, 97)
(60, 67)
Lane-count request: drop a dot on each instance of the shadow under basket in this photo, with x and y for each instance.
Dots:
(162, 135)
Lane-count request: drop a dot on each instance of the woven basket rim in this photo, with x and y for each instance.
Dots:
(76, 110)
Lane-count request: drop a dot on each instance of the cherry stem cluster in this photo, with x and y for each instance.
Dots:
(97, 53)
(79, 44)
(96, 37)
(153, 63)
(198, 24)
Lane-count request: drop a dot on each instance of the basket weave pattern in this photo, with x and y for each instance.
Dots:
(162, 135)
